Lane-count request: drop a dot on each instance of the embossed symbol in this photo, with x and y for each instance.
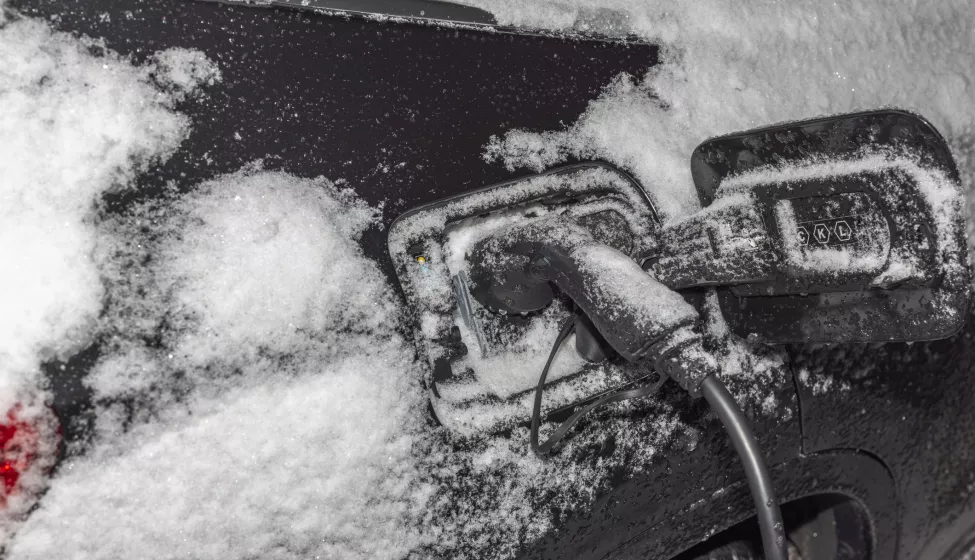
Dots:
(821, 233)
(843, 230)
(802, 236)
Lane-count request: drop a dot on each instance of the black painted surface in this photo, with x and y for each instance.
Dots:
(912, 406)
(425, 9)
(847, 473)
(402, 113)
(652, 506)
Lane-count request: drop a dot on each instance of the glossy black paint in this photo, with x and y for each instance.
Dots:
(837, 136)
(849, 473)
(407, 9)
(402, 113)
(912, 405)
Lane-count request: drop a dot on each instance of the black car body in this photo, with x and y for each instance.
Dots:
(890, 458)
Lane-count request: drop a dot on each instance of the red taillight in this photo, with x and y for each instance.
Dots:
(20, 446)
(10, 475)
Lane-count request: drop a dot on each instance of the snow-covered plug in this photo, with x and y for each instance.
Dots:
(639, 317)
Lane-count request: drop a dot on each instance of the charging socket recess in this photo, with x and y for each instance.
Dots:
(483, 360)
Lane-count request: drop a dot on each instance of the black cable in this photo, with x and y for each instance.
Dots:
(542, 450)
(545, 448)
(734, 421)
(759, 481)
(564, 427)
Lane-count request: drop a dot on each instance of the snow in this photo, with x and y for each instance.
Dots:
(517, 368)
(255, 397)
(583, 181)
(279, 405)
(464, 410)
(32, 451)
(73, 127)
(717, 77)
(280, 414)
(184, 72)
(282, 470)
(245, 272)
(822, 383)
(620, 284)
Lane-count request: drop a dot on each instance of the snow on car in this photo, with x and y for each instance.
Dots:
(255, 394)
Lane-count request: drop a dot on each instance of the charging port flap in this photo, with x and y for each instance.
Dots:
(862, 229)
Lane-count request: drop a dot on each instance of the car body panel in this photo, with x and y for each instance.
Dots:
(853, 474)
(401, 113)
(911, 405)
(411, 10)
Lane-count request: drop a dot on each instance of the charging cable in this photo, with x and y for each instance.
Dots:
(756, 472)
(545, 448)
(724, 406)
(637, 315)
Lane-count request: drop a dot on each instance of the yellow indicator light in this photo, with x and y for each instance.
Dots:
(421, 259)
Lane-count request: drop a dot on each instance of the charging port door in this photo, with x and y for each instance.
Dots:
(865, 229)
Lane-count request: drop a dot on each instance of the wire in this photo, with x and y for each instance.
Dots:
(734, 421)
(544, 449)
(756, 472)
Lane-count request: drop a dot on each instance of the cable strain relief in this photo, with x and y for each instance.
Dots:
(687, 363)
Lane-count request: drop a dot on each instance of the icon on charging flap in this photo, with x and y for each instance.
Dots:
(843, 230)
(802, 236)
(821, 233)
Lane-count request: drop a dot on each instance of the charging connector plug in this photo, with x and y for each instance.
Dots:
(637, 315)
